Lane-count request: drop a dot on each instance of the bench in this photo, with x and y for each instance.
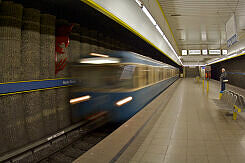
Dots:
(234, 101)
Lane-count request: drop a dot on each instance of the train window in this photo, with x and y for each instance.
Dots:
(163, 75)
(160, 73)
(150, 75)
(140, 76)
(147, 73)
(117, 77)
(102, 77)
(135, 78)
(168, 73)
(156, 76)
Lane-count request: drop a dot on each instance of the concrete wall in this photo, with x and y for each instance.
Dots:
(235, 68)
(191, 72)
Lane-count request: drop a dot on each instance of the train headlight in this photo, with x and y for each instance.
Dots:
(124, 101)
(100, 60)
(99, 55)
(79, 99)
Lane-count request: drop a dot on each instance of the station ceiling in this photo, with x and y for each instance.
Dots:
(200, 24)
(76, 11)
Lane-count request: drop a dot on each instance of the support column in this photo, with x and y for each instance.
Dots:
(30, 63)
(47, 71)
(12, 126)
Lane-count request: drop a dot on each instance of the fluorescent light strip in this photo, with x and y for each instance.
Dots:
(149, 15)
(139, 3)
(79, 99)
(166, 39)
(99, 55)
(158, 28)
(192, 65)
(124, 101)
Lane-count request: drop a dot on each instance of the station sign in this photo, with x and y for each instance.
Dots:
(224, 52)
(204, 52)
(214, 52)
(194, 52)
(231, 31)
(184, 52)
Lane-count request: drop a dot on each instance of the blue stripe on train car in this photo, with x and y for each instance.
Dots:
(106, 102)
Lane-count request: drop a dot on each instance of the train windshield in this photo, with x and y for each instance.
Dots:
(111, 77)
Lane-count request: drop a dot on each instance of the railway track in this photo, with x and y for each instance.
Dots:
(77, 148)
(64, 146)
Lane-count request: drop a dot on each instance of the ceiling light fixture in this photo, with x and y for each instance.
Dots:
(157, 27)
(192, 65)
(149, 15)
(139, 3)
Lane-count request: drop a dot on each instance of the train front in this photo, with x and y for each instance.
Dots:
(101, 87)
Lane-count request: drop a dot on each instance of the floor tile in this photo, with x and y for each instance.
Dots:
(193, 130)
(158, 149)
(152, 158)
(197, 159)
(218, 159)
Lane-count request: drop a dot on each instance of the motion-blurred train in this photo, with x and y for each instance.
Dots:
(120, 83)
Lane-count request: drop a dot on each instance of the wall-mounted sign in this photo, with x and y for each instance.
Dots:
(184, 52)
(214, 52)
(231, 31)
(204, 52)
(33, 86)
(194, 52)
(224, 52)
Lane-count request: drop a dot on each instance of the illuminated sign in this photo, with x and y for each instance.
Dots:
(224, 52)
(214, 52)
(231, 31)
(184, 52)
(204, 52)
(194, 52)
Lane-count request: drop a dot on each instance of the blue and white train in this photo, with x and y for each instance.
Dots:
(120, 83)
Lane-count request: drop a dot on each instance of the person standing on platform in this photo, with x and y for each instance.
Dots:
(223, 79)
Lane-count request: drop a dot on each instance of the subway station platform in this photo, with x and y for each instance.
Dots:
(183, 124)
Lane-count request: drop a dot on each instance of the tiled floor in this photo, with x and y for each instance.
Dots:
(193, 129)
